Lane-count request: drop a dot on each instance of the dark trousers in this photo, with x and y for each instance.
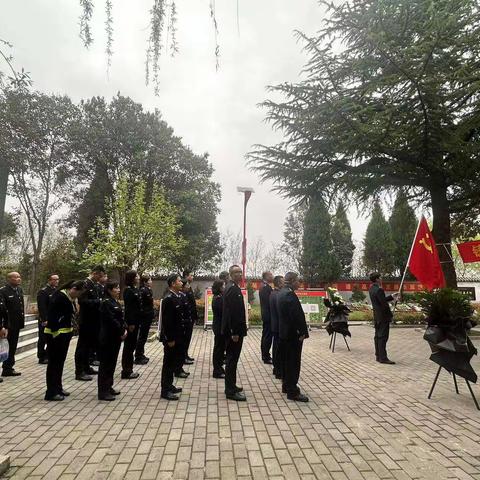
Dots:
(57, 353)
(218, 353)
(85, 346)
(277, 356)
(143, 332)
(179, 355)
(293, 362)
(108, 356)
(382, 332)
(188, 336)
(128, 348)
(233, 350)
(266, 341)
(12, 338)
(42, 343)
(170, 360)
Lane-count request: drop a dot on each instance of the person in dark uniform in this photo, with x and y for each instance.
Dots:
(133, 312)
(293, 330)
(146, 318)
(113, 330)
(186, 323)
(61, 309)
(265, 291)
(188, 276)
(43, 299)
(219, 340)
(89, 303)
(171, 333)
(93, 357)
(277, 355)
(13, 298)
(234, 328)
(382, 316)
(3, 321)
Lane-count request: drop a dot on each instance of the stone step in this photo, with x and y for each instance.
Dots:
(27, 334)
(27, 344)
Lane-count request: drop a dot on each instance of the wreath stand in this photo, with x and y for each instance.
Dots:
(333, 339)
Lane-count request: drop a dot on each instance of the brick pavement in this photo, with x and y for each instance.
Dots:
(364, 420)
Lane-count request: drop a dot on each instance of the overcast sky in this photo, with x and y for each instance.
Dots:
(214, 112)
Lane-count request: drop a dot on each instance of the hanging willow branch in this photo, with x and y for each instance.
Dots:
(215, 27)
(173, 29)
(157, 21)
(85, 18)
(109, 31)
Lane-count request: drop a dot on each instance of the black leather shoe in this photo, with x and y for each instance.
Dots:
(176, 389)
(298, 398)
(237, 396)
(65, 393)
(188, 362)
(239, 389)
(108, 397)
(218, 375)
(268, 361)
(189, 358)
(83, 377)
(130, 376)
(181, 375)
(55, 398)
(141, 361)
(10, 373)
(169, 396)
(284, 390)
(95, 363)
(278, 377)
(1, 380)
(114, 392)
(92, 371)
(387, 362)
(43, 361)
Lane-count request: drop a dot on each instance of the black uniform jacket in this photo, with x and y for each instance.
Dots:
(133, 305)
(61, 309)
(233, 316)
(193, 305)
(381, 309)
(264, 294)
(217, 307)
(3, 313)
(146, 300)
(172, 318)
(112, 324)
(274, 311)
(291, 319)
(89, 302)
(13, 299)
(43, 299)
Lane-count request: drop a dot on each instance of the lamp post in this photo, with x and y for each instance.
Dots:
(247, 193)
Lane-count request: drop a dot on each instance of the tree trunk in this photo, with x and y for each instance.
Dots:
(4, 172)
(442, 233)
(32, 287)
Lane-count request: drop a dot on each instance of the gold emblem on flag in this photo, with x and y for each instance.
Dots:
(426, 244)
(476, 250)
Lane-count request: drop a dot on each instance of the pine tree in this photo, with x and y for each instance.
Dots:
(379, 245)
(318, 260)
(343, 246)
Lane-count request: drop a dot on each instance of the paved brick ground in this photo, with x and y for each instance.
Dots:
(364, 420)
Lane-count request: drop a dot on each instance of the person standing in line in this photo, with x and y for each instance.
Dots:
(188, 276)
(171, 333)
(277, 354)
(89, 303)
(293, 331)
(219, 339)
(43, 299)
(133, 311)
(13, 298)
(186, 322)
(234, 328)
(265, 292)
(61, 309)
(147, 314)
(3, 322)
(93, 357)
(113, 330)
(382, 316)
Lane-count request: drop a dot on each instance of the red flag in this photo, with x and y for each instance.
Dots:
(469, 251)
(424, 261)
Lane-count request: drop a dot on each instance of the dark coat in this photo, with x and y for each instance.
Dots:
(146, 298)
(234, 316)
(186, 309)
(274, 311)
(13, 299)
(112, 323)
(3, 313)
(381, 309)
(172, 318)
(133, 305)
(193, 305)
(89, 302)
(264, 294)
(217, 307)
(43, 299)
(291, 318)
(60, 313)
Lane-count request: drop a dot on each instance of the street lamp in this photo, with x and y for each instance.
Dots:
(247, 193)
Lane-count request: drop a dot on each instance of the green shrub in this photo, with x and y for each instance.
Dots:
(409, 318)
(361, 316)
(357, 294)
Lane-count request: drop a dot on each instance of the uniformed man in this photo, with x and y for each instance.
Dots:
(188, 276)
(382, 316)
(277, 354)
(265, 292)
(171, 335)
(13, 298)
(234, 328)
(43, 299)
(3, 321)
(146, 318)
(293, 331)
(182, 339)
(89, 321)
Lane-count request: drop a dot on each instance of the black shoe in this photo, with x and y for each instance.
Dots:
(298, 398)
(238, 389)
(95, 363)
(108, 397)
(141, 361)
(43, 361)
(181, 375)
(92, 371)
(278, 377)
(284, 390)
(188, 362)
(54, 398)
(218, 375)
(10, 373)
(65, 393)
(237, 396)
(1, 380)
(169, 396)
(174, 389)
(387, 361)
(114, 392)
(190, 359)
(83, 377)
(130, 376)
(268, 361)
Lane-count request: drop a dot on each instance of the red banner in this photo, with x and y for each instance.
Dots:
(469, 251)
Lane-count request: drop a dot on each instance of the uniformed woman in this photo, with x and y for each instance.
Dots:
(219, 339)
(112, 331)
(61, 309)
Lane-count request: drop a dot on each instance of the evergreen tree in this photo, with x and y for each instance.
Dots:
(293, 235)
(379, 245)
(343, 246)
(318, 260)
(403, 223)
